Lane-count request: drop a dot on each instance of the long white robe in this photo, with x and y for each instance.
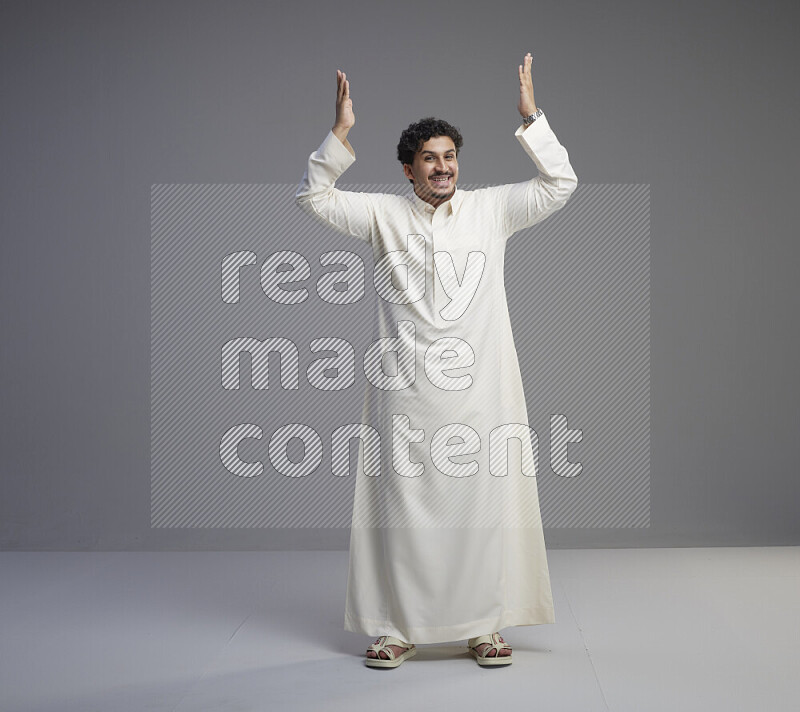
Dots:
(446, 538)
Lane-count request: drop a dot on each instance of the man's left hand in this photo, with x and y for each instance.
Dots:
(527, 105)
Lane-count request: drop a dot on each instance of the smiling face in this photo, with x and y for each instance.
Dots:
(434, 170)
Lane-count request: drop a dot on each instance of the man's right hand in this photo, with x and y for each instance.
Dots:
(345, 118)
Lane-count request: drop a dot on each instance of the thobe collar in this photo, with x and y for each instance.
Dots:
(454, 202)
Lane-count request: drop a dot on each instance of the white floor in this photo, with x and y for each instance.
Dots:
(638, 630)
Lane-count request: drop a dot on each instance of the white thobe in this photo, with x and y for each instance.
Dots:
(446, 539)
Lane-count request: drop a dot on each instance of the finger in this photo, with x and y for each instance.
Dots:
(347, 89)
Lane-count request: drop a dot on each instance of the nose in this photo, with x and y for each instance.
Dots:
(441, 166)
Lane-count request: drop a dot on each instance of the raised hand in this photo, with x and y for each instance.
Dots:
(345, 118)
(527, 105)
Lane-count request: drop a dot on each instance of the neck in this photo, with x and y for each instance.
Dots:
(433, 200)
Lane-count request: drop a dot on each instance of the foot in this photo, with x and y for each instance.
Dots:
(397, 649)
(497, 648)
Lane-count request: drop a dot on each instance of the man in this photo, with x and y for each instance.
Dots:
(443, 549)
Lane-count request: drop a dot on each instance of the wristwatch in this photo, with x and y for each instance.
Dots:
(528, 120)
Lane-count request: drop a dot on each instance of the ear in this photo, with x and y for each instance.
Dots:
(407, 171)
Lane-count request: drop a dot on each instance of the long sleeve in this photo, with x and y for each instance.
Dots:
(525, 204)
(347, 212)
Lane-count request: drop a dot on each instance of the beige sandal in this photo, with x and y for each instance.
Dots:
(383, 644)
(496, 643)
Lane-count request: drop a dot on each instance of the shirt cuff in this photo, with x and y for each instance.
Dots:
(335, 153)
(535, 137)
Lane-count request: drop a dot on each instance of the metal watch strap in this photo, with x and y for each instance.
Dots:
(528, 120)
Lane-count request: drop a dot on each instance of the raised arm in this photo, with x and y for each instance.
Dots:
(347, 212)
(525, 204)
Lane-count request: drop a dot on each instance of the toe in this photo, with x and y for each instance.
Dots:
(372, 654)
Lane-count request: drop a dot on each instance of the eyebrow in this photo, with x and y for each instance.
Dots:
(433, 153)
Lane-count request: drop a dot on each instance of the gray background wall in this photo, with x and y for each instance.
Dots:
(102, 99)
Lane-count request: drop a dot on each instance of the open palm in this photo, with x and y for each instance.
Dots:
(526, 105)
(345, 118)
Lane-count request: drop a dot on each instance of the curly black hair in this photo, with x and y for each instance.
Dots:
(412, 139)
